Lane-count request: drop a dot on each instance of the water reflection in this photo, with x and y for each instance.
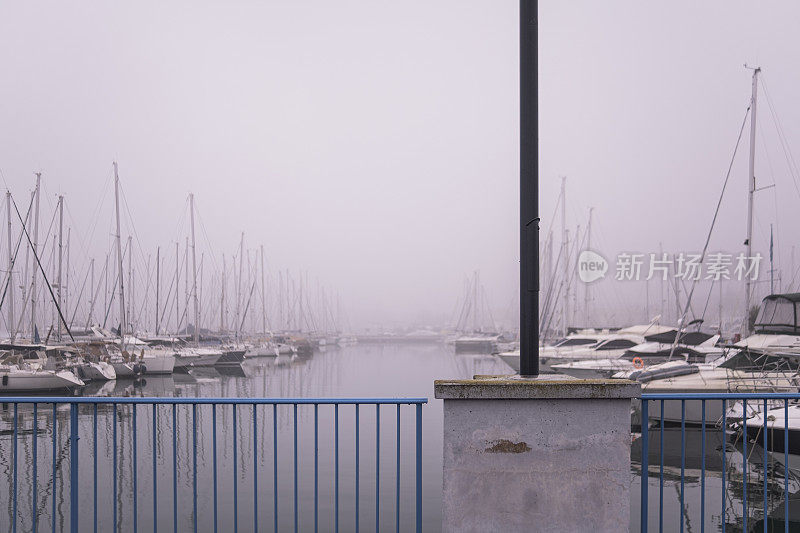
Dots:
(163, 462)
(725, 455)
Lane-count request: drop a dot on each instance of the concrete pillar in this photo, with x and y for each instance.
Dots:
(536, 454)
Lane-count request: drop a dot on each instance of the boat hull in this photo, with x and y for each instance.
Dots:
(163, 364)
(230, 358)
(38, 381)
(194, 361)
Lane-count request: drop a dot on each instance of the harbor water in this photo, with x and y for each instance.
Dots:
(356, 371)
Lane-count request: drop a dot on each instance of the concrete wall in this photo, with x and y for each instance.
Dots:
(549, 464)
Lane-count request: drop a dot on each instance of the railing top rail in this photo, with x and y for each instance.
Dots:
(206, 401)
(723, 396)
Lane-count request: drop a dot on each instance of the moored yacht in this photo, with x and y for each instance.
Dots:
(693, 347)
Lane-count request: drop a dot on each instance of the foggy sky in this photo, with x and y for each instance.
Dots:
(375, 144)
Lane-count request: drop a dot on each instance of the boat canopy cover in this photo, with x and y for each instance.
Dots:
(778, 314)
(756, 360)
(689, 338)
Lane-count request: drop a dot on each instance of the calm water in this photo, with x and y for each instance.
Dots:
(357, 371)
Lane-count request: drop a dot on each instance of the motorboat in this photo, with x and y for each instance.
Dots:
(693, 347)
(741, 371)
(767, 361)
(778, 421)
(567, 344)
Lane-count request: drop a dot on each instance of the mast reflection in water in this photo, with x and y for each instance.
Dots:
(346, 372)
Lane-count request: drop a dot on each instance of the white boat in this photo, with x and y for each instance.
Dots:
(570, 343)
(767, 361)
(477, 343)
(20, 380)
(100, 371)
(158, 360)
(285, 349)
(196, 357)
(124, 370)
(693, 347)
(775, 421)
(264, 349)
(744, 371)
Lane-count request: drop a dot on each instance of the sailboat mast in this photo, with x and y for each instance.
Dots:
(119, 260)
(10, 271)
(194, 271)
(222, 299)
(35, 252)
(751, 189)
(66, 274)
(475, 303)
(239, 290)
(60, 256)
(564, 253)
(586, 294)
(263, 298)
(771, 265)
(92, 293)
(158, 281)
(131, 306)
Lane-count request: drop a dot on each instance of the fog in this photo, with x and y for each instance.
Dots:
(373, 146)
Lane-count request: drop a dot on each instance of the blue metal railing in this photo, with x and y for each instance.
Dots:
(719, 415)
(187, 431)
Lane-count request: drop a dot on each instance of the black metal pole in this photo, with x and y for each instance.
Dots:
(529, 188)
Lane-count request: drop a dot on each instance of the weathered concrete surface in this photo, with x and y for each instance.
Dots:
(540, 464)
(549, 386)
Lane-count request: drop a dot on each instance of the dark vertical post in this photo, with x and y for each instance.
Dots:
(73, 473)
(529, 187)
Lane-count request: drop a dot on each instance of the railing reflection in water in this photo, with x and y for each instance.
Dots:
(752, 441)
(202, 464)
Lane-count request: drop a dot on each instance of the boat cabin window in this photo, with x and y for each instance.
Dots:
(776, 315)
(575, 342)
(616, 344)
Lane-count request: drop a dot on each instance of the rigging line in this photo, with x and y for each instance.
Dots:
(710, 231)
(145, 303)
(78, 300)
(132, 227)
(790, 161)
(548, 311)
(167, 302)
(114, 291)
(13, 262)
(247, 306)
(49, 287)
(708, 299)
(100, 280)
(205, 234)
(555, 210)
(549, 299)
(93, 221)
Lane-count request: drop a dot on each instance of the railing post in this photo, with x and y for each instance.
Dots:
(73, 471)
(419, 467)
(645, 463)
